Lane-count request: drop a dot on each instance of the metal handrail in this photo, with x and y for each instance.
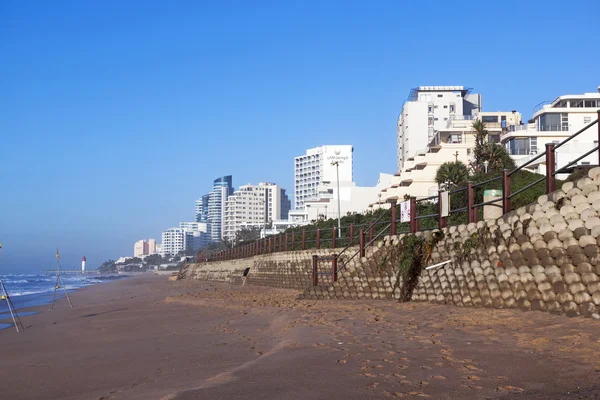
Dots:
(576, 134)
(527, 163)
(427, 216)
(354, 239)
(576, 160)
(488, 181)
(485, 203)
(366, 245)
(527, 187)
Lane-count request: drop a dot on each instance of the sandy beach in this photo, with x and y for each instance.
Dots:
(147, 338)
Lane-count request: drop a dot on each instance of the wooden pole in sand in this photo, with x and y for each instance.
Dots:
(59, 283)
(11, 308)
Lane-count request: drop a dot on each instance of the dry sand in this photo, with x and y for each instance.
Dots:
(146, 338)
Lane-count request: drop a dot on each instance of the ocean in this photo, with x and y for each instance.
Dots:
(30, 290)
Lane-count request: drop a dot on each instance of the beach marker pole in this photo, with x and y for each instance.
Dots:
(59, 283)
(11, 308)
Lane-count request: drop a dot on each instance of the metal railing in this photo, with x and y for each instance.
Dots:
(366, 234)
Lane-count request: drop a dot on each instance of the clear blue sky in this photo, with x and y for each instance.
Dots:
(116, 115)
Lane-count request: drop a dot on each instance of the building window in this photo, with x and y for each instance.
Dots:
(445, 106)
(590, 103)
(440, 95)
(430, 108)
(489, 118)
(587, 120)
(430, 121)
(452, 108)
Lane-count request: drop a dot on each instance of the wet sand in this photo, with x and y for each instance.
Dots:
(146, 338)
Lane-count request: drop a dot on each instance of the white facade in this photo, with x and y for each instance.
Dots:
(453, 142)
(216, 211)
(554, 122)
(197, 234)
(173, 241)
(352, 199)
(426, 112)
(315, 167)
(254, 205)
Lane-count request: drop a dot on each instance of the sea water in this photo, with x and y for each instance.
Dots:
(30, 290)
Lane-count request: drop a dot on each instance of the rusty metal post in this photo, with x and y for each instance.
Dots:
(333, 236)
(371, 232)
(470, 201)
(393, 217)
(351, 234)
(334, 268)
(505, 191)
(303, 239)
(315, 275)
(361, 242)
(443, 221)
(318, 241)
(414, 225)
(550, 167)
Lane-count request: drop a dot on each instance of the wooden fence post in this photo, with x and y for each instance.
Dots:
(550, 167)
(393, 217)
(505, 192)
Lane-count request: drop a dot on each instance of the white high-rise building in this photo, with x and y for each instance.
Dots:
(173, 241)
(427, 111)
(254, 205)
(197, 234)
(314, 168)
(217, 198)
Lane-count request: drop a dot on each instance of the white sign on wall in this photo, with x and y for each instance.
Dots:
(405, 211)
(445, 204)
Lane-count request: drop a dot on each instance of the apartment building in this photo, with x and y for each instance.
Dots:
(454, 141)
(315, 167)
(143, 248)
(553, 122)
(427, 111)
(222, 189)
(201, 210)
(173, 241)
(254, 205)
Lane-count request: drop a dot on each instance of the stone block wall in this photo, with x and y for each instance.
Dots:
(290, 270)
(541, 257)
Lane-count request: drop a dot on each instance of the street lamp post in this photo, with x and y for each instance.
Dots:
(337, 171)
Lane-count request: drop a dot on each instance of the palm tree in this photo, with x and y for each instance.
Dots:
(481, 134)
(498, 157)
(450, 174)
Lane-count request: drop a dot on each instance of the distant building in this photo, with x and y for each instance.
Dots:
(222, 188)
(314, 168)
(143, 248)
(202, 209)
(553, 122)
(454, 141)
(427, 111)
(173, 241)
(254, 205)
(197, 234)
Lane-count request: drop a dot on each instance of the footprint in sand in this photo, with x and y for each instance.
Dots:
(510, 389)
(419, 394)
